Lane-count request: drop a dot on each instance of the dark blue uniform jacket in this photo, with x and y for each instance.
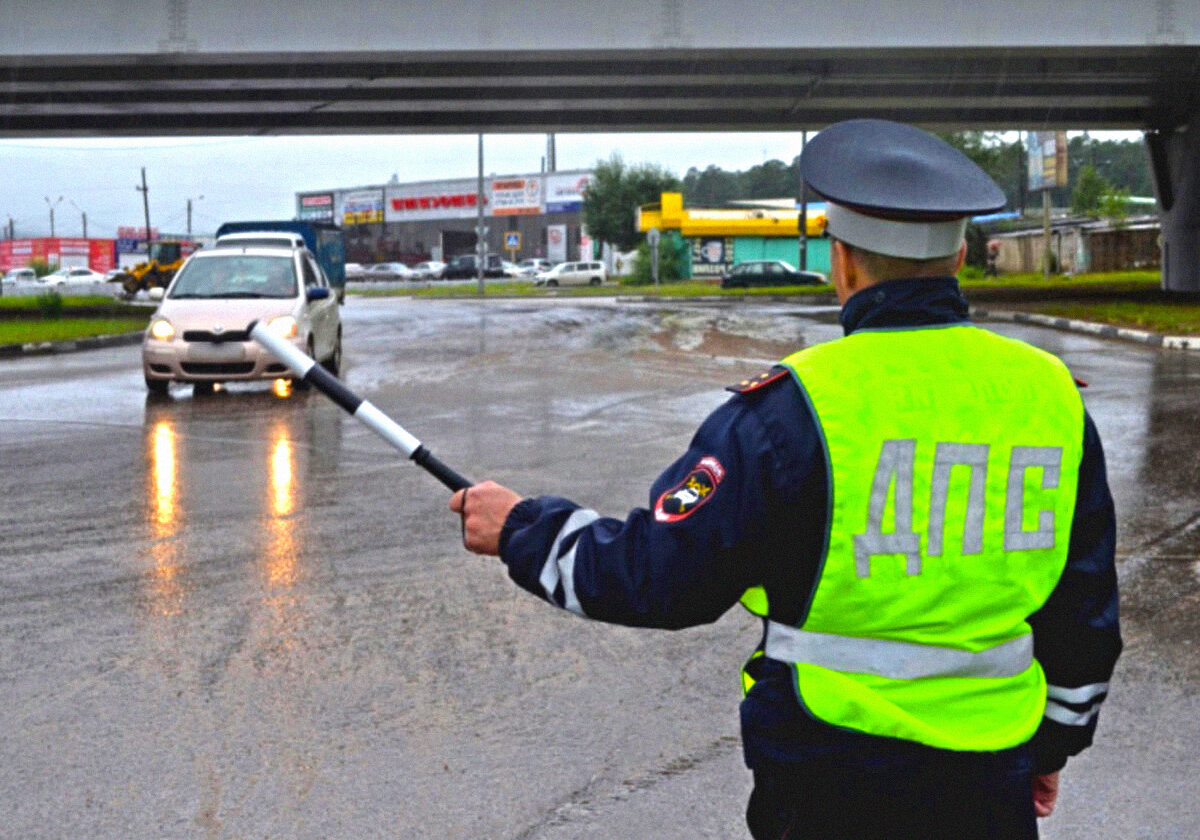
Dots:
(712, 531)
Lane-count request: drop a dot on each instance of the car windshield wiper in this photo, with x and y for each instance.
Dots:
(238, 295)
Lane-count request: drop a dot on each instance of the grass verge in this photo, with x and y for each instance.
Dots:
(1164, 318)
(66, 329)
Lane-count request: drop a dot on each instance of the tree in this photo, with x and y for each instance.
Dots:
(1090, 189)
(614, 194)
(1114, 206)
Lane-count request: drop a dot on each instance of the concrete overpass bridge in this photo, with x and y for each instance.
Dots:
(160, 67)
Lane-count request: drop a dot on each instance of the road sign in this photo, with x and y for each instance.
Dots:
(512, 240)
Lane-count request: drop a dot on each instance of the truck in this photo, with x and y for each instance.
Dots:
(325, 239)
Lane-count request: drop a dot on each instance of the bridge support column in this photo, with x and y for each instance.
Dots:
(1175, 162)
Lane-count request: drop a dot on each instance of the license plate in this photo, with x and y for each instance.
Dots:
(215, 353)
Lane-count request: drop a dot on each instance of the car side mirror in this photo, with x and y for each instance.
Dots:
(316, 293)
(156, 293)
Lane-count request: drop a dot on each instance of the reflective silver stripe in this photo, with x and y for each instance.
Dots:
(553, 570)
(566, 567)
(1076, 695)
(1070, 717)
(896, 660)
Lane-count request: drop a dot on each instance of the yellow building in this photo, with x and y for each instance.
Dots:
(722, 238)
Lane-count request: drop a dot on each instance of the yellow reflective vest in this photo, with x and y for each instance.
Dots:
(953, 458)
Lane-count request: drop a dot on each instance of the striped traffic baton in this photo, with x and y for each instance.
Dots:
(306, 368)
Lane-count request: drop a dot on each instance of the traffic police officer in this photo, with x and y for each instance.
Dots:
(918, 511)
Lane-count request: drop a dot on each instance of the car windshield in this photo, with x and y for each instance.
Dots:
(787, 266)
(236, 276)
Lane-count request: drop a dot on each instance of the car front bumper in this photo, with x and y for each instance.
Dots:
(184, 361)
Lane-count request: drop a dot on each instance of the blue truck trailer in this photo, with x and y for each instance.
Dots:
(325, 239)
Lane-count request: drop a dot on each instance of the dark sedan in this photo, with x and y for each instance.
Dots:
(769, 273)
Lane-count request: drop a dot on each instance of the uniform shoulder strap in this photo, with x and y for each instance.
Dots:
(760, 381)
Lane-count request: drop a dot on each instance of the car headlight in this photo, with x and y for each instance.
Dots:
(284, 326)
(161, 329)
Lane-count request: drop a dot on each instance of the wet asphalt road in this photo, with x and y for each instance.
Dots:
(240, 615)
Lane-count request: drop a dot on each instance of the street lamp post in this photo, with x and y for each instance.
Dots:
(52, 205)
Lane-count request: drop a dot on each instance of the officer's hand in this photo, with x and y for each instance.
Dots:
(484, 507)
(1045, 794)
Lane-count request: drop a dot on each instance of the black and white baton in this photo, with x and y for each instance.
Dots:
(307, 369)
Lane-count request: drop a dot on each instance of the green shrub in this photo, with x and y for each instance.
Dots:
(51, 305)
(670, 268)
(40, 267)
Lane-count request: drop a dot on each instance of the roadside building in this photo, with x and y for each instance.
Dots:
(1080, 245)
(437, 220)
(60, 252)
(720, 238)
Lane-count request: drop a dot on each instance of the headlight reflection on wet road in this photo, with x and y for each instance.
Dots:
(281, 549)
(165, 520)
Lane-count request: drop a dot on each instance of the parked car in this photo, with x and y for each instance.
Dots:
(533, 267)
(354, 271)
(428, 270)
(769, 273)
(590, 273)
(200, 331)
(387, 271)
(464, 267)
(63, 276)
(20, 275)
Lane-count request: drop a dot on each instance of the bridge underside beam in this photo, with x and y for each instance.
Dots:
(697, 90)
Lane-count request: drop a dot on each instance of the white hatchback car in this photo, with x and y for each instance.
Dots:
(200, 331)
(590, 273)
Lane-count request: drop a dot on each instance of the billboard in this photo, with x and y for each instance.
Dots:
(564, 192)
(1047, 159)
(362, 207)
(556, 243)
(516, 196)
(316, 207)
(432, 200)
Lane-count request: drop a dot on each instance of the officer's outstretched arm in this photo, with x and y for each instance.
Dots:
(681, 561)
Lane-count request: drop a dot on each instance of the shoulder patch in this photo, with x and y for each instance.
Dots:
(759, 381)
(698, 487)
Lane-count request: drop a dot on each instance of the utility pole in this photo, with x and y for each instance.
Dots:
(145, 191)
(803, 210)
(82, 215)
(189, 215)
(480, 230)
(52, 205)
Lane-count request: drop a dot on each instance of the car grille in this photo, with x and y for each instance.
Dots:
(217, 368)
(216, 338)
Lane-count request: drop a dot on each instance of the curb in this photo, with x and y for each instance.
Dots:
(46, 348)
(1174, 342)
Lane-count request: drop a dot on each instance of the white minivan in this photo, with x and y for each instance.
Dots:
(590, 273)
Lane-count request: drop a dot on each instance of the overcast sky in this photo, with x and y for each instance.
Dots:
(257, 177)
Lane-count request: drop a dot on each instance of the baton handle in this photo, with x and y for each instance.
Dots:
(424, 458)
(306, 368)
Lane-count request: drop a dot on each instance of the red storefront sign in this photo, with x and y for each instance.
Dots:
(434, 202)
(96, 254)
